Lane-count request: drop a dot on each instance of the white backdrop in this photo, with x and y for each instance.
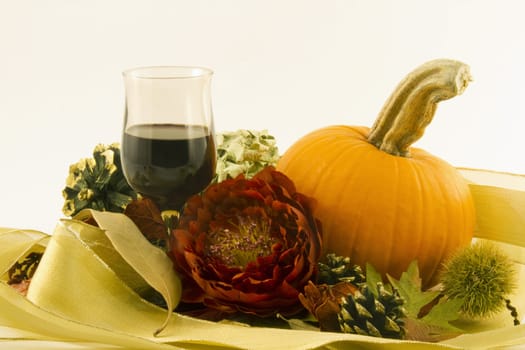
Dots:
(286, 66)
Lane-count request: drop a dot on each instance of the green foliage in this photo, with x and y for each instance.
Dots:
(373, 278)
(442, 310)
(244, 152)
(441, 314)
(409, 286)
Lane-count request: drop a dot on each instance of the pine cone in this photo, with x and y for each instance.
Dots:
(339, 269)
(375, 314)
(97, 183)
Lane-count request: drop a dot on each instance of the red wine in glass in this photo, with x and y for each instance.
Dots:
(168, 149)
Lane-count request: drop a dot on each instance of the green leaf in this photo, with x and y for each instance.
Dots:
(409, 287)
(304, 324)
(442, 313)
(435, 325)
(372, 278)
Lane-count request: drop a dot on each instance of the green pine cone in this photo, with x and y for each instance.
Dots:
(337, 269)
(365, 313)
(97, 183)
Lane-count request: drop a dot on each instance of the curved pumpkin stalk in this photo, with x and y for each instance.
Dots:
(412, 105)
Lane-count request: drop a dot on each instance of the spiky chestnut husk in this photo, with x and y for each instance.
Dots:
(379, 314)
(335, 269)
(97, 183)
(481, 274)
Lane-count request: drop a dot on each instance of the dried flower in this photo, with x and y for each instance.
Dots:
(324, 303)
(244, 152)
(248, 245)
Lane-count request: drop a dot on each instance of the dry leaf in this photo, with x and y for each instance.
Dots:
(147, 216)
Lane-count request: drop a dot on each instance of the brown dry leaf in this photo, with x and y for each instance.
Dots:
(322, 301)
(147, 216)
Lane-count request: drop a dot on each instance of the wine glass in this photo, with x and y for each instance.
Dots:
(168, 148)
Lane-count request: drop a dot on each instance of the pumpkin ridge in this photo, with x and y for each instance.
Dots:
(447, 245)
(363, 247)
(325, 169)
(389, 253)
(399, 230)
(420, 246)
(358, 216)
(341, 192)
(463, 209)
(458, 192)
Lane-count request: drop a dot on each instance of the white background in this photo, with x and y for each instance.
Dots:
(286, 66)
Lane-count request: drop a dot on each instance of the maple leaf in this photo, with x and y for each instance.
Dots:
(409, 287)
(442, 313)
(372, 278)
(435, 324)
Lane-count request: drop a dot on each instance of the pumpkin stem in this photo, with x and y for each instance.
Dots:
(412, 105)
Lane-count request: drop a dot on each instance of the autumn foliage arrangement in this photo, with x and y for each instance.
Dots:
(331, 247)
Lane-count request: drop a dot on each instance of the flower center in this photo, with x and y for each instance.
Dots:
(236, 248)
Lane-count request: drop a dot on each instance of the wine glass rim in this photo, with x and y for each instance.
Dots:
(167, 72)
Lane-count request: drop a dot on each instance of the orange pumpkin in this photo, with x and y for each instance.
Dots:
(381, 201)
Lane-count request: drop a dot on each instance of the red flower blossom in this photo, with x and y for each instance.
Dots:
(248, 245)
